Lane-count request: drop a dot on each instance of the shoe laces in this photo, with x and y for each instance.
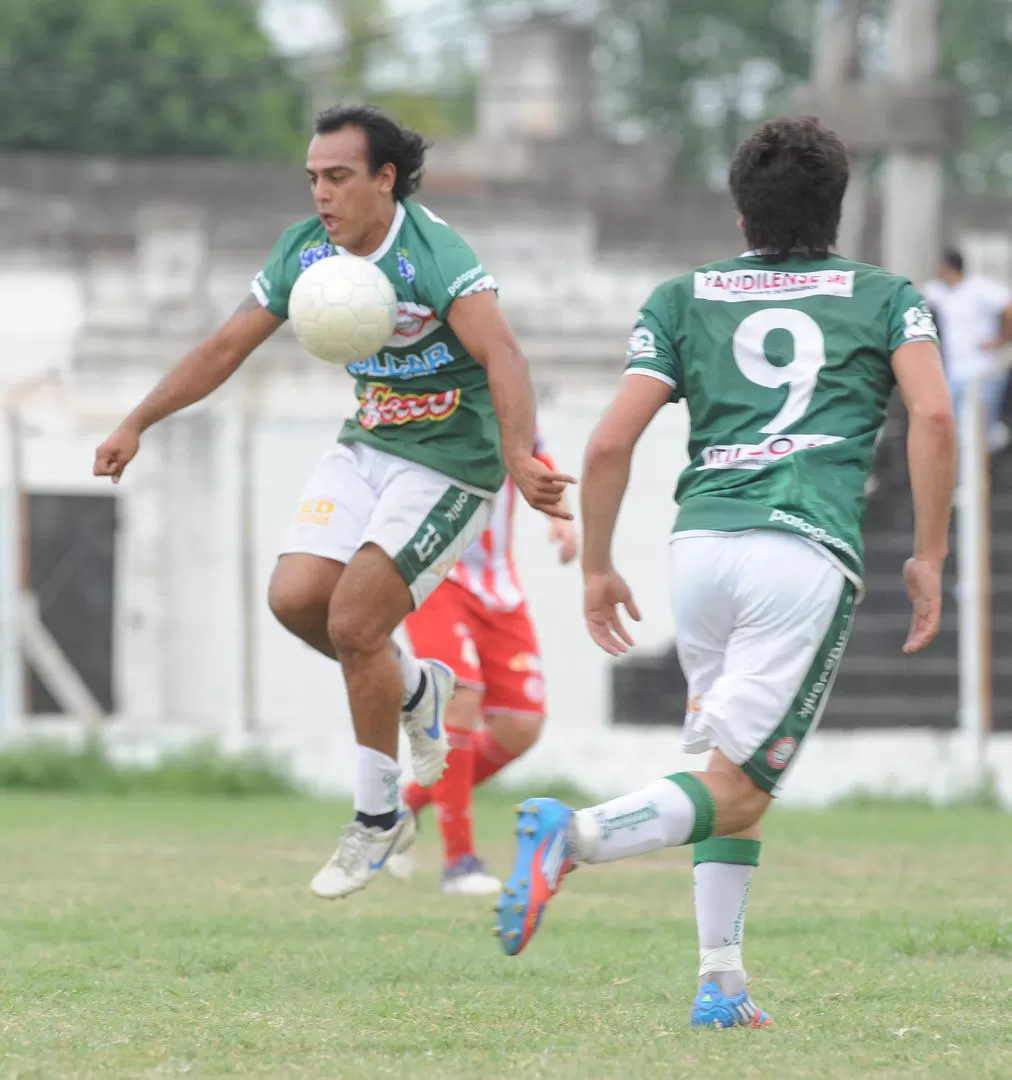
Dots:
(354, 847)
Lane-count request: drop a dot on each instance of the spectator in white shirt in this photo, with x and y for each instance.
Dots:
(974, 318)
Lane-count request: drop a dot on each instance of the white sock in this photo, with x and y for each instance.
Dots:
(377, 783)
(721, 892)
(661, 815)
(411, 672)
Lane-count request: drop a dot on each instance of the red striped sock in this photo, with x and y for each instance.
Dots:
(489, 756)
(451, 795)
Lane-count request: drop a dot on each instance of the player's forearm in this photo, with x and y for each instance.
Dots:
(196, 376)
(605, 478)
(509, 381)
(931, 455)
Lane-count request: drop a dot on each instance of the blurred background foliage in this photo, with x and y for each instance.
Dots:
(203, 77)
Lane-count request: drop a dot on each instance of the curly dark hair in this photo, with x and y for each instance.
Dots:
(787, 180)
(389, 143)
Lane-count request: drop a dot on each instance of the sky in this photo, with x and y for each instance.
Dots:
(429, 26)
(298, 25)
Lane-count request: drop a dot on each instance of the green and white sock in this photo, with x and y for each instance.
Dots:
(667, 813)
(722, 876)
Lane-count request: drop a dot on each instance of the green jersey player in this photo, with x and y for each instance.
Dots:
(786, 357)
(445, 410)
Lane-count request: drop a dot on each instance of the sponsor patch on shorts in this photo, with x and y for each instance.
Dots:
(781, 752)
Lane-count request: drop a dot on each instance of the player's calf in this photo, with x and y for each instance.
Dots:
(740, 802)
(684, 808)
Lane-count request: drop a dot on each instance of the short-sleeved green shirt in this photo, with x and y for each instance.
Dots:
(423, 397)
(786, 370)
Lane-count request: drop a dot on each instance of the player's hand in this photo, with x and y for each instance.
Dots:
(602, 594)
(564, 534)
(113, 456)
(541, 487)
(924, 587)
(991, 344)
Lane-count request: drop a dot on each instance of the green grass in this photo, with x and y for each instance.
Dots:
(154, 936)
(201, 769)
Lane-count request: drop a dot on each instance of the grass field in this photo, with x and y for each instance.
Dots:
(167, 936)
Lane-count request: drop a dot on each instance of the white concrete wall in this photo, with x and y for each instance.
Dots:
(41, 309)
(118, 307)
(178, 633)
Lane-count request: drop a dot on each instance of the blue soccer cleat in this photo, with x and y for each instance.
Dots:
(543, 857)
(713, 1008)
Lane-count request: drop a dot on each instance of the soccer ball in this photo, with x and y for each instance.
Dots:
(343, 309)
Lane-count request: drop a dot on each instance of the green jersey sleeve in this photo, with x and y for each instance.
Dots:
(452, 271)
(910, 318)
(273, 284)
(651, 350)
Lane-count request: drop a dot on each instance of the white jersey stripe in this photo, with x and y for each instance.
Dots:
(487, 569)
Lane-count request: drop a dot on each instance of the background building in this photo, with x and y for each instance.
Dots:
(110, 268)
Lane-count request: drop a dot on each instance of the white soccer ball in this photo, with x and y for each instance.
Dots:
(343, 309)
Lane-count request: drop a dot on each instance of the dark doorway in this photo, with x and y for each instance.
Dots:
(72, 573)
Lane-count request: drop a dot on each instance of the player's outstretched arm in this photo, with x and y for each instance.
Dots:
(479, 323)
(605, 478)
(931, 456)
(199, 373)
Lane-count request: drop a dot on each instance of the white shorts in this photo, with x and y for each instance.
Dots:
(761, 622)
(360, 495)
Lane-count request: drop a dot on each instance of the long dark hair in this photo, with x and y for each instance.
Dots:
(389, 143)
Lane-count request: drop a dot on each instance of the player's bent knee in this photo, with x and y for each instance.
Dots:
(528, 730)
(369, 603)
(295, 608)
(350, 634)
(517, 734)
(740, 801)
(752, 804)
(299, 592)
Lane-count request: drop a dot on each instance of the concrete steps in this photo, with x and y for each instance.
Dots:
(877, 685)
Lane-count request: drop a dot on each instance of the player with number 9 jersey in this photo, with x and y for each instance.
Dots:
(786, 357)
(731, 337)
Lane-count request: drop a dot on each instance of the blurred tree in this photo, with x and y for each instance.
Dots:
(374, 63)
(976, 37)
(365, 30)
(701, 72)
(440, 113)
(144, 77)
(694, 73)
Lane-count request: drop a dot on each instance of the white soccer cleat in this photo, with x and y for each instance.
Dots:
(362, 853)
(424, 725)
(468, 877)
(403, 864)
